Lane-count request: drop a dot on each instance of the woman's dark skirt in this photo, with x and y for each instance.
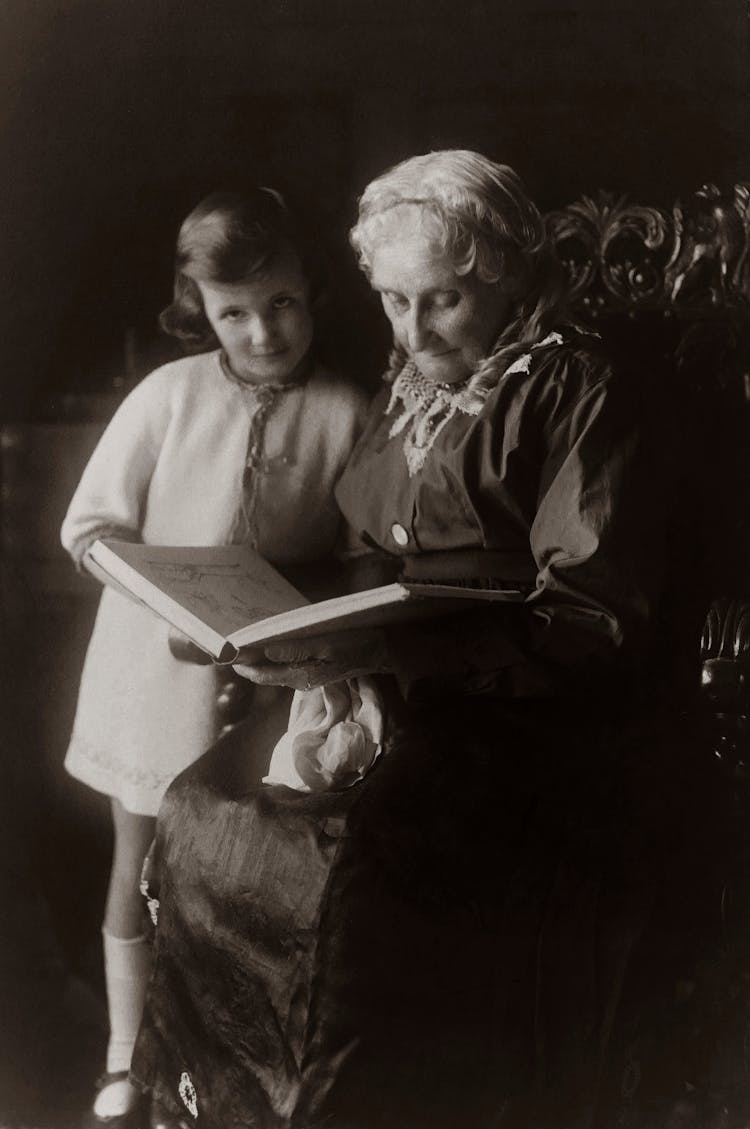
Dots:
(442, 946)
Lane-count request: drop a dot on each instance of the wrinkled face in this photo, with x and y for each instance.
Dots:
(264, 324)
(447, 322)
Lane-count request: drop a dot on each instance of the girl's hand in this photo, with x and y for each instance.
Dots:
(304, 664)
(185, 650)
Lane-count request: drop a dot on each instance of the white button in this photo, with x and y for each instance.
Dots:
(399, 534)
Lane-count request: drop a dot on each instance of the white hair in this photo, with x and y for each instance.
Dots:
(477, 212)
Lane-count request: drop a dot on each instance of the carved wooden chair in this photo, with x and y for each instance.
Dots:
(671, 290)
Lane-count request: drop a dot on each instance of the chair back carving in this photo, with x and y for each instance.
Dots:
(622, 257)
(671, 289)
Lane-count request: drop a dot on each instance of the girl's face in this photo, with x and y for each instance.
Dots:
(264, 324)
(447, 322)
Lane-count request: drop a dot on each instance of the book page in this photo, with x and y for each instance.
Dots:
(227, 587)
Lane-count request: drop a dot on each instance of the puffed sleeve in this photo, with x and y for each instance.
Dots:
(110, 498)
(596, 541)
(595, 537)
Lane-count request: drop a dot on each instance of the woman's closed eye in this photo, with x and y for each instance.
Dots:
(446, 300)
(397, 302)
(440, 300)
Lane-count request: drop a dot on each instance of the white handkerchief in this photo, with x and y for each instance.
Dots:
(334, 737)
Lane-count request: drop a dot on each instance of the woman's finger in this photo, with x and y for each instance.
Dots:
(265, 674)
(293, 651)
(297, 677)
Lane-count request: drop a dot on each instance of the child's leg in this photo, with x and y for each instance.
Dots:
(126, 955)
(123, 916)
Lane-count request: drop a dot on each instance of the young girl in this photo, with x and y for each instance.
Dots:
(240, 443)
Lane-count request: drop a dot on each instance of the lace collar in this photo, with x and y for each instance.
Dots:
(425, 407)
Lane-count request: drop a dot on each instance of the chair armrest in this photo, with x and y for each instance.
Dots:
(725, 683)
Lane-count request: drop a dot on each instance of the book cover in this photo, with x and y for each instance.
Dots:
(228, 597)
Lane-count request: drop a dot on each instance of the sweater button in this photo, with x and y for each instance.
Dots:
(399, 534)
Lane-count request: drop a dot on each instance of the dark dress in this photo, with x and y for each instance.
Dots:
(444, 944)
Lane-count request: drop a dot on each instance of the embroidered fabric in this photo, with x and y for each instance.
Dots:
(427, 407)
(106, 764)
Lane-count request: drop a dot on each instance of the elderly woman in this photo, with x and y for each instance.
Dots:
(443, 943)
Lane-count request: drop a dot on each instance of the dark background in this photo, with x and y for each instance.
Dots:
(115, 117)
(118, 114)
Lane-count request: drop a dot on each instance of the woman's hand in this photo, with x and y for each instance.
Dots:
(304, 664)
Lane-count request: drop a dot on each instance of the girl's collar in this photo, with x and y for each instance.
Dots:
(300, 376)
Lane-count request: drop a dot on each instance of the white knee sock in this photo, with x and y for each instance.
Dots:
(127, 962)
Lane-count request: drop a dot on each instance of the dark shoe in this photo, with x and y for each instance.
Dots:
(135, 1118)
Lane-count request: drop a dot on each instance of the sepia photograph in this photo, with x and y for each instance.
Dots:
(375, 564)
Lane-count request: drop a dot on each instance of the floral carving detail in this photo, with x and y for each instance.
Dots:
(711, 247)
(619, 256)
(613, 252)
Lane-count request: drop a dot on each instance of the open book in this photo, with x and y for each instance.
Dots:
(228, 598)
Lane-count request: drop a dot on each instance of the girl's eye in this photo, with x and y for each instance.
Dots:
(232, 315)
(282, 301)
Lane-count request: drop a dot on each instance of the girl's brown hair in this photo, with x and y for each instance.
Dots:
(229, 237)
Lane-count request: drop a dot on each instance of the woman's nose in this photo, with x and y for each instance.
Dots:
(417, 331)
